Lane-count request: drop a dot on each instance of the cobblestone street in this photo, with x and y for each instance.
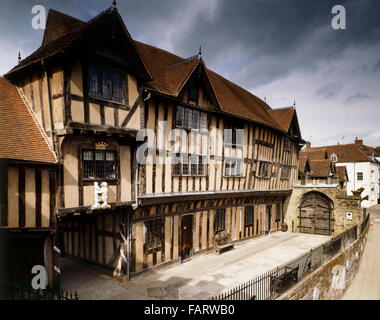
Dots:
(206, 275)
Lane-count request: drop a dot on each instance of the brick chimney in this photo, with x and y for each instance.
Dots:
(308, 145)
(358, 142)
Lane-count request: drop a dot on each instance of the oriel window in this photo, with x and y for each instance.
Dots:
(99, 164)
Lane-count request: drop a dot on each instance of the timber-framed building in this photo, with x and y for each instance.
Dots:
(92, 88)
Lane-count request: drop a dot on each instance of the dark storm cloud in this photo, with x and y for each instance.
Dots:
(286, 35)
(281, 49)
(272, 38)
(329, 90)
(357, 97)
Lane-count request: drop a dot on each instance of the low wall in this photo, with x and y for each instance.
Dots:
(331, 279)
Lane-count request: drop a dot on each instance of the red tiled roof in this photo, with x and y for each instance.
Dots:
(303, 163)
(167, 79)
(283, 117)
(320, 168)
(318, 154)
(177, 75)
(21, 137)
(58, 25)
(345, 152)
(232, 98)
(341, 173)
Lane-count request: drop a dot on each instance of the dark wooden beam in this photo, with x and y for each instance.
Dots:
(192, 196)
(21, 197)
(38, 183)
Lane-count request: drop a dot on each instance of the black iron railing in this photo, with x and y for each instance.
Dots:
(275, 282)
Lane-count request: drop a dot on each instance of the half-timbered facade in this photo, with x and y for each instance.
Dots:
(28, 170)
(94, 88)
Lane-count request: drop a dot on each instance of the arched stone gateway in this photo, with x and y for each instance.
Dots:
(316, 214)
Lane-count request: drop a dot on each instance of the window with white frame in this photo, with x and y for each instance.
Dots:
(359, 176)
(334, 157)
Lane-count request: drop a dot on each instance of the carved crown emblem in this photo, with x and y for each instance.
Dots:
(101, 145)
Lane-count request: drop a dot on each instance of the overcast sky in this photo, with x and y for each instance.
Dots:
(283, 50)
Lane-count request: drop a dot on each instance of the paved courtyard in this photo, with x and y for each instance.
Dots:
(366, 284)
(206, 275)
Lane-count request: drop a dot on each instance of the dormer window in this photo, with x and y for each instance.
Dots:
(106, 83)
(334, 157)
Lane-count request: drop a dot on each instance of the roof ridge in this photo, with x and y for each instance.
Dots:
(192, 58)
(34, 117)
(282, 108)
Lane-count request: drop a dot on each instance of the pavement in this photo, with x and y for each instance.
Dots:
(366, 284)
(204, 276)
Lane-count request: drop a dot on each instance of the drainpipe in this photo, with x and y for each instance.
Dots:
(136, 204)
(128, 247)
(51, 126)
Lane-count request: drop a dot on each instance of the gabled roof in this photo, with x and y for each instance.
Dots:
(370, 151)
(58, 25)
(176, 75)
(345, 152)
(21, 137)
(164, 72)
(321, 168)
(283, 117)
(232, 98)
(318, 154)
(341, 173)
(304, 163)
(75, 36)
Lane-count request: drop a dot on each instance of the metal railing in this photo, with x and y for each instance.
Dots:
(272, 284)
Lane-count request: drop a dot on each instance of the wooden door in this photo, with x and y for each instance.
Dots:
(315, 214)
(186, 237)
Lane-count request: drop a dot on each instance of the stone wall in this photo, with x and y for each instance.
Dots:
(342, 204)
(330, 281)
